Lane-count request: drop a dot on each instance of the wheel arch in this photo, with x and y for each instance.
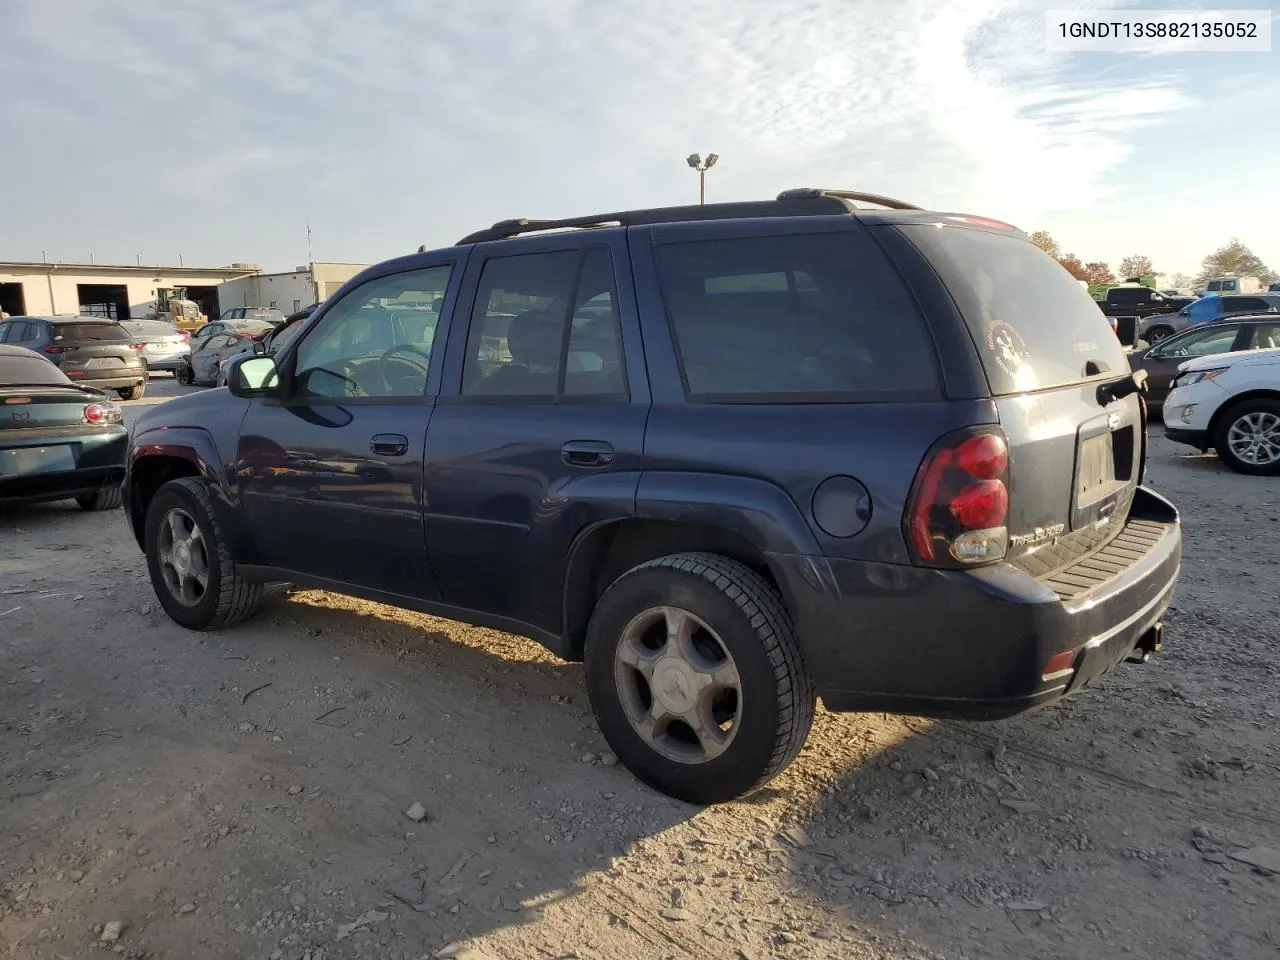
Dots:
(164, 456)
(1262, 393)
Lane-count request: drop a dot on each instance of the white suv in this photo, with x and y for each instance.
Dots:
(1230, 402)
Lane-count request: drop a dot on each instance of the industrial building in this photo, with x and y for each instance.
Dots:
(124, 292)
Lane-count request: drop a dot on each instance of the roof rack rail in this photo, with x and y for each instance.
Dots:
(851, 195)
(807, 203)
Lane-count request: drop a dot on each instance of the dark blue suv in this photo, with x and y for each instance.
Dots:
(735, 457)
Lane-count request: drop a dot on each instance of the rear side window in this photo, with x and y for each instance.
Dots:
(1034, 326)
(81, 332)
(811, 318)
(1241, 304)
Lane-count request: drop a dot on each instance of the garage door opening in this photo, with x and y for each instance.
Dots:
(207, 299)
(109, 300)
(12, 300)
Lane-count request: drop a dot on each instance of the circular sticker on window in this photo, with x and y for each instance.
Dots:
(1007, 346)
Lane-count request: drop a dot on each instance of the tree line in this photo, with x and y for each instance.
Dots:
(1231, 258)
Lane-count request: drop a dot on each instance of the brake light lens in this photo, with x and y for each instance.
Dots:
(53, 348)
(186, 337)
(139, 345)
(960, 501)
(103, 412)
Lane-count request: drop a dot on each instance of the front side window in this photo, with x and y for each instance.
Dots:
(1201, 343)
(377, 341)
(545, 327)
(799, 318)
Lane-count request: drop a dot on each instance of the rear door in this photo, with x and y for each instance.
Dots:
(1074, 458)
(89, 350)
(540, 429)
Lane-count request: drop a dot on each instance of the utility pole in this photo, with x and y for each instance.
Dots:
(702, 166)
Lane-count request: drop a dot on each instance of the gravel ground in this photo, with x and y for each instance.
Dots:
(244, 794)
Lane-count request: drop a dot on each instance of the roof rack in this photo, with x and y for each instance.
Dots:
(808, 201)
(850, 195)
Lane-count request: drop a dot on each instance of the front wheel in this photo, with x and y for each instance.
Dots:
(191, 567)
(1248, 437)
(1156, 334)
(696, 678)
(133, 393)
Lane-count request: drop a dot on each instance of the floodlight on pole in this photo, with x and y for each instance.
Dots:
(702, 166)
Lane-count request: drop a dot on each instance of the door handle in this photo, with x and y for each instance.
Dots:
(389, 444)
(587, 453)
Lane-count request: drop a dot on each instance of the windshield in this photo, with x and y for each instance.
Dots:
(1033, 325)
(105, 331)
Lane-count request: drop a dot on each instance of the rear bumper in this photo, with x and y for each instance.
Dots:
(167, 363)
(975, 644)
(99, 459)
(111, 383)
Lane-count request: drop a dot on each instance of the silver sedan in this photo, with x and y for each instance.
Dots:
(162, 345)
(215, 342)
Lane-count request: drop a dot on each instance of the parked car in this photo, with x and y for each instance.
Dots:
(1207, 309)
(264, 314)
(1135, 300)
(58, 439)
(162, 345)
(215, 342)
(301, 314)
(89, 350)
(795, 448)
(1161, 362)
(1230, 402)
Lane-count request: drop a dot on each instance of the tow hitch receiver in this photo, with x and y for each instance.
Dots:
(1148, 644)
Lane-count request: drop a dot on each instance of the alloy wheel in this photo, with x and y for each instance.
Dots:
(1255, 438)
(184, 557)
(678, 684)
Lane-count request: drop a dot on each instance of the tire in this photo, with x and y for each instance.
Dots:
(109, 497)
(1251, 416)
(133, 393)
(1156, 334)
(183, 374)
(226, 598)
(734, 607)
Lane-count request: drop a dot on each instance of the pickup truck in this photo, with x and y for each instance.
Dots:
(1141, 302)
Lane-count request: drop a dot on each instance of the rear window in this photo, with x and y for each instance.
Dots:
(90, 331)
(30, 371)
(149, 328)
(810, 318)
(1128, 295)
(1034, 326)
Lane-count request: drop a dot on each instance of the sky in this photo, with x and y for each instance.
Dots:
(216, 131)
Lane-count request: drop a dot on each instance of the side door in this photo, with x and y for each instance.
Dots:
(539, 432)
(330, 475)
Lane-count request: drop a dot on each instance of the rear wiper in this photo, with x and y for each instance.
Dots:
(1136, 382)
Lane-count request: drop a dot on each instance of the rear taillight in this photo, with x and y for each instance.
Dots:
(103, 412)
(53, 348)
(186, 337)
(142, 345)
(960, 500)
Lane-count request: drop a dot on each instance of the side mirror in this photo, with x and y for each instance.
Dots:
(252, 376)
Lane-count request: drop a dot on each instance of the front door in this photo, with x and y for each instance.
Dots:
(540, 430)
(1162, 362)
(331, 476)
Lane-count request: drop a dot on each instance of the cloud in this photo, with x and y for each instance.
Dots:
(399, 119)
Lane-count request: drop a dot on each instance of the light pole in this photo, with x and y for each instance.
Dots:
(702, 166)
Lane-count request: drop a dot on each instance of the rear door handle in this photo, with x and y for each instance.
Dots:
(587, 453)
(389, 444)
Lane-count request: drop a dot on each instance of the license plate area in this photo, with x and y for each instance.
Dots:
(28, 461)
(97, 362)
(1104, 471)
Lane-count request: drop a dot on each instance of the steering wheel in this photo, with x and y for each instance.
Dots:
(411, 361)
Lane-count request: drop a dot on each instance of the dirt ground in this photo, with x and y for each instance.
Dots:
(244, 793)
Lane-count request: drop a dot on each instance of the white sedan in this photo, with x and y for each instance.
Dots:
(1230, 402)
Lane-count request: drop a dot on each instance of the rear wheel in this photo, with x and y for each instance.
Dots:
(189, 561)
(107, 498)
(133, 393)
(1248, 437)
(696, 678)
(1156, 334)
